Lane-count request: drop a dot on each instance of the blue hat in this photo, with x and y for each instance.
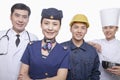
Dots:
(52, 13)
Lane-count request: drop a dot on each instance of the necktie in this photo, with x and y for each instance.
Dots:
(17, 40)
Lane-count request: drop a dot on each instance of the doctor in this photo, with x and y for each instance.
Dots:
(110, 46)
(12, 46)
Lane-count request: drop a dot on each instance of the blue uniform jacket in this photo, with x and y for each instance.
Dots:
(84, 62)
(39, 67)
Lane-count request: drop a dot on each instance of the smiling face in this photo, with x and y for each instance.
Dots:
(109, 32)
(50, 28)
(19, 19)
(78, 31)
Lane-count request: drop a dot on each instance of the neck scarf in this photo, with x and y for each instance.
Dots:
(48, 44)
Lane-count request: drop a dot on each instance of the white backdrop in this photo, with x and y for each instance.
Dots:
(90, 8)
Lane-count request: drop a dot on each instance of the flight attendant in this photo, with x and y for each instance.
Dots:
(46, 59)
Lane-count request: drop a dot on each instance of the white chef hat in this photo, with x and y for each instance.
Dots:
(110, 17)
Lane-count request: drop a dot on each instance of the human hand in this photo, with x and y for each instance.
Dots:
(115, 70)
(21, 77)
(96, 45)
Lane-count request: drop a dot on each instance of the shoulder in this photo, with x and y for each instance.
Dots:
(61, 46)
(66, 44)
(118, 41)
(90, 48)
(3, 32)
(88, 45)
(62, 49)
(34, 43)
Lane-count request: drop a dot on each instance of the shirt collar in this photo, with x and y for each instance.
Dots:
(110, 41)
(82, 47)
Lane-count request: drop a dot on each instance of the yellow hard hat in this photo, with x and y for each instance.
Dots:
(79, 18)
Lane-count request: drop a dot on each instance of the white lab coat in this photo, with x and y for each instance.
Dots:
(110, 52)
(10, 63)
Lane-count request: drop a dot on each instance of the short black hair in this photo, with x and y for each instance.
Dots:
(20, 6)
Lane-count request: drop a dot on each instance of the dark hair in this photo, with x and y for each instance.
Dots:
(20, 6)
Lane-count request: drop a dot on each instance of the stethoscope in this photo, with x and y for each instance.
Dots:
(6, 36)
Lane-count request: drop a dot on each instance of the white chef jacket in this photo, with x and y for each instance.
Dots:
(110, 52)
(10, 63)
